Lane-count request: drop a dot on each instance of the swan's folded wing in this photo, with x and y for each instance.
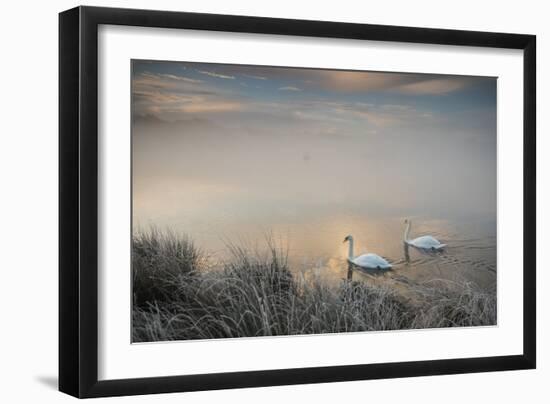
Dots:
(371, 261)
(425, 242)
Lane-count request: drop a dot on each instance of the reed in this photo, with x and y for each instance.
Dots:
(177, 296)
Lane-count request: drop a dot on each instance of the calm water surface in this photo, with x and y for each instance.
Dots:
(315, 246)
(309, 188)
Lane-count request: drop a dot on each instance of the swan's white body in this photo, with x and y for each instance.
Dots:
(367, 261)
(422, 242)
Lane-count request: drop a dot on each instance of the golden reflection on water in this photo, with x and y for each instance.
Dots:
(470, 258)
(316, 248)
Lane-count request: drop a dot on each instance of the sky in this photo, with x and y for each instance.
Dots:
(175, 91)
(235, 144)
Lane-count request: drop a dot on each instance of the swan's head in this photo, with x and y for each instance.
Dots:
(348, 238)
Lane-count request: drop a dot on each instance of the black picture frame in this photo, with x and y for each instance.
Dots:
(78, 201)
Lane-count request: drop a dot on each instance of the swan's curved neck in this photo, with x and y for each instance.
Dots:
(350, 250)
(407, 230)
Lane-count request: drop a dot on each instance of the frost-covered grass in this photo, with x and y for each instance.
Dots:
(177, 296)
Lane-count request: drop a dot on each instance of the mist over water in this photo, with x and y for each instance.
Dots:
(310, 193)
(308, 170)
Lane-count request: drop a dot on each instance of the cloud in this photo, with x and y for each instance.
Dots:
(289, 88)
(171, 96)
(204, 106)
(255, 77)
(212, 74)
(354, 81)
(168, 97)
(179, 78)
(344, 113)
(170, 106)
(434, 87)
(341, 81)
(151, 81)
(156, 97)
(418, 84)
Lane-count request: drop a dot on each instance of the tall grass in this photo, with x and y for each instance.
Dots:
(159, 261)
(451, 304)
(176, 297)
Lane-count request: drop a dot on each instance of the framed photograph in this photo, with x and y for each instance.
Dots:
(251, 201)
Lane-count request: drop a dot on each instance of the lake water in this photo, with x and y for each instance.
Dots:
(311, 188)
(316, 248)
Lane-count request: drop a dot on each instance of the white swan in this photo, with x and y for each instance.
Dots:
(422, 242)
(367, 261)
